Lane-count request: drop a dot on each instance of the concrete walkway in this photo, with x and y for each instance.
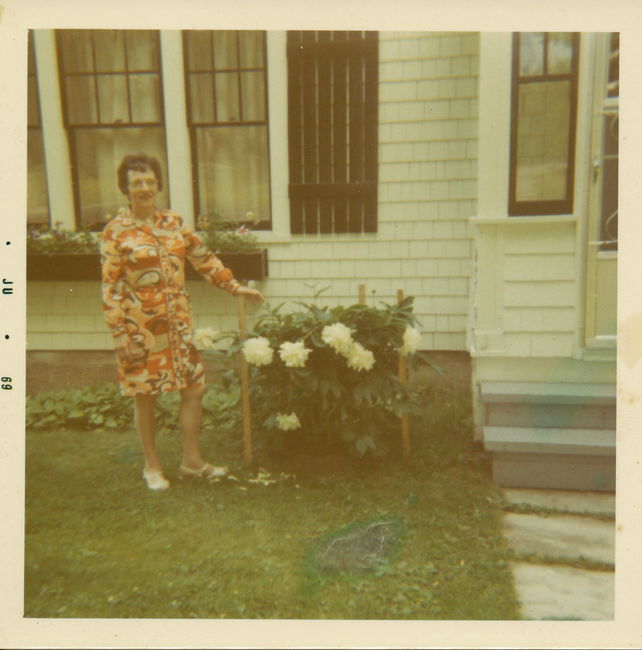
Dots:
(566, 533)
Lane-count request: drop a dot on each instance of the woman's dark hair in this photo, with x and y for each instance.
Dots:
(138, 162)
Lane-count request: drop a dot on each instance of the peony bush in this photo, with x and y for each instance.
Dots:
(328, 377)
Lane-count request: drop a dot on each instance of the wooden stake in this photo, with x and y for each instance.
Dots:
(403, 377)
(245, 389)
(362, 294)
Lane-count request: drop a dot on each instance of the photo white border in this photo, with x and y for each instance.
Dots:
(16, 16)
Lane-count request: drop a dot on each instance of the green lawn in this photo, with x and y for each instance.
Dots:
(100, 545)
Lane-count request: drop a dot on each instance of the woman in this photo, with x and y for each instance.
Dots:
(148, 311)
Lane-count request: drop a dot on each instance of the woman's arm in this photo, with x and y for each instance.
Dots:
(212, 269)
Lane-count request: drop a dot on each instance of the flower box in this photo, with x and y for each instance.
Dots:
(244, 266)
(86, 266)
(63, 266)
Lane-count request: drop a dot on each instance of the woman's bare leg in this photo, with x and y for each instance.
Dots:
(189, 419)
(145, 420)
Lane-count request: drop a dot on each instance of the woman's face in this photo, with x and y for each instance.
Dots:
(142, 189)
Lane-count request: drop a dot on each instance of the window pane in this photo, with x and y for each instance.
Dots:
(253, 92)
(142, 50)
(225, 50)
(110, 50)
(227, 97)
(531, 53)
(202, 97)
(614, 66)
(37, 197)
(98, 154)
(76, 50)
(81, 102)
(251, 49)
(145, 97)
(199, 50)
(560, 52)
(610, 182)
(542, 141)
(233, 171)
(112, 98)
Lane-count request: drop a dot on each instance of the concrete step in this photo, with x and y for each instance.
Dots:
(547, 393)
(567, 416)
(586, 442)
(554, 471)
(533, 404)
(593, 503)
(566, 459)
(564, 593)
(562, 537)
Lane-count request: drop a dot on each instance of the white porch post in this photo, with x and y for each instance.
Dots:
(56, 145)
(179, 160)
(278, 130)
(494, 117)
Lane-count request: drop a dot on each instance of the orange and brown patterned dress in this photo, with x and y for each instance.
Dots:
(143, 288)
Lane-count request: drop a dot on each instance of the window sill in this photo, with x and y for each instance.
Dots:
(85, 267)
(512, 221)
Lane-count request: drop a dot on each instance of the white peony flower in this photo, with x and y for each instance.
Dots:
(205, 338)
(411, 341)
(294, 355)
(359, 358)
(287, 422)
(337, 336)
(258, 352)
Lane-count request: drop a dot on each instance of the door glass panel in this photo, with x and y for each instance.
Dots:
(542, 141)
(531, 53)
(560, 53)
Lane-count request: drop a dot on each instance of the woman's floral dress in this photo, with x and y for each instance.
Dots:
(143, 290)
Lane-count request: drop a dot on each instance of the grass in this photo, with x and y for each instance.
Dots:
(100, 545)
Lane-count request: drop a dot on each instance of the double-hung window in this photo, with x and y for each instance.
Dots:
(112, 104)
(227, 113)
(543, 121)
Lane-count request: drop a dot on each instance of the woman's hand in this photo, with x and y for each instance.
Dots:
(251, 294)
(127, 350)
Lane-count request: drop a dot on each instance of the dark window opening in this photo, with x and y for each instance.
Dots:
(332, 132)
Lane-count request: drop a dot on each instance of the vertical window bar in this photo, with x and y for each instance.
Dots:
(356, 135)
(95, 78)
(213, 73)
(340, 121)
(325, 143)
(237, 42)
(371, 124)
(128, 76)
(295, 140)
(309, 134)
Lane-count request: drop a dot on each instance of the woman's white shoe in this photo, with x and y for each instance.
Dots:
(155, 479)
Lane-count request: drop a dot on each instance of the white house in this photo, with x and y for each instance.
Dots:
(476, 172)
